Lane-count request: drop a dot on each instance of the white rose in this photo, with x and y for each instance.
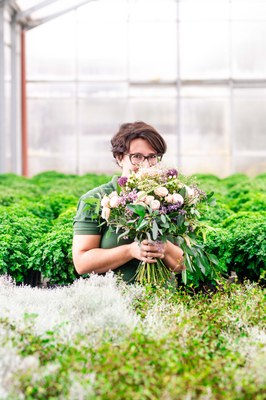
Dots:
(105, 201)
(161, 191)
(169, 198)
(114, 202)
(177, 198)
(141, 195)
(155, 205)
(149, 199)
(106, 213)
(113, 194)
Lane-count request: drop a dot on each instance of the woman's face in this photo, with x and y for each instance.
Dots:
(137, 147)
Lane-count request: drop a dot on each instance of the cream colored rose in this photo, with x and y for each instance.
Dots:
(114, 202)
(155, 205)
(177, 198)
(149, 199)
(106, 213)
(169, 198)
(105, 201)
(141, 195)
(161, 191)
(113, 194)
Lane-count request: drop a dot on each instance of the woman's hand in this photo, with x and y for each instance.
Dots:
(148, 251)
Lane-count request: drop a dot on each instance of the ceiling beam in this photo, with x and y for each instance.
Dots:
(29, 23)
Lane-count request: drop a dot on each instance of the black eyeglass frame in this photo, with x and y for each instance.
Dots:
(158, 156)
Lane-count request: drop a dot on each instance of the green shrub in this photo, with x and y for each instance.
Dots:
(249, 201)
(52, 253)
(240, 244)
(217, 214)
(16, 234)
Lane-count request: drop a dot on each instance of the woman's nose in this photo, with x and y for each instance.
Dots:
(145, 162)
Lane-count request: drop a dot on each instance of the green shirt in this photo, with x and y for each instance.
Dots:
(85, 225)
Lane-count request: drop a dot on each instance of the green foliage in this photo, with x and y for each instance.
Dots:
(240, 244)
(250, 201)
(36, 216)
(51, 254)
(16, 233)
(210, 349)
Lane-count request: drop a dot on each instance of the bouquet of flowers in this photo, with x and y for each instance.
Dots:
(157, 204)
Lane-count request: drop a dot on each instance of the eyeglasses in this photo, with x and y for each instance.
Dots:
(138, 158)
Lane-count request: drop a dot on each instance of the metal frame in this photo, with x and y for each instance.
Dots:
(21, 21)
(28, 23)
(2, 93)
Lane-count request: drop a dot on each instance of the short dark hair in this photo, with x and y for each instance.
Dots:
(135, 130)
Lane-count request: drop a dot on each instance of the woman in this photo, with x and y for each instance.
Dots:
(135, 144)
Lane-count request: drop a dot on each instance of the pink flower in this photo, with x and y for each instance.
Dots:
(149, 199)
(114, 202)
(161, 191)
(122, 180)
(141, 196)
(105, 201)
(155, 205)
(169, 198)
(106, 213)
(177, 198)
(113, 194)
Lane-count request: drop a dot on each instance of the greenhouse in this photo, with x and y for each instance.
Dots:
(72, 71)
(132, 199)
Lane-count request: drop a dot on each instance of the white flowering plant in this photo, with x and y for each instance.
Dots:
(158, 204)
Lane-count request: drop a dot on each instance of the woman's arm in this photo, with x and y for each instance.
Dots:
(89, 257)
(173, 257)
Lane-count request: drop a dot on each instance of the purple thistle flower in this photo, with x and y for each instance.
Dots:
(122, 180)
(171, 172)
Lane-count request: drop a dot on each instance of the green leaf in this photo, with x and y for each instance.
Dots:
(137, 209)
(154, 230)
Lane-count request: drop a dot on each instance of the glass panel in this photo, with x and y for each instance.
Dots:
(99, 120)
(51, 89)
(248, 10)
(152, 10)
(153, 51)
(8, 123)
(204, 90)
(204, 50)
(216, 164)
(51, 49)
(153, 91)
(52, 141)
(7, 61)
(102, 90)
(102, 11)
(205, 125)
(249, 44)
(7, 32)
(96, 161)
(249, 121)
(102, 50)
(250, 165)
(161, 113)
(207, 10)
